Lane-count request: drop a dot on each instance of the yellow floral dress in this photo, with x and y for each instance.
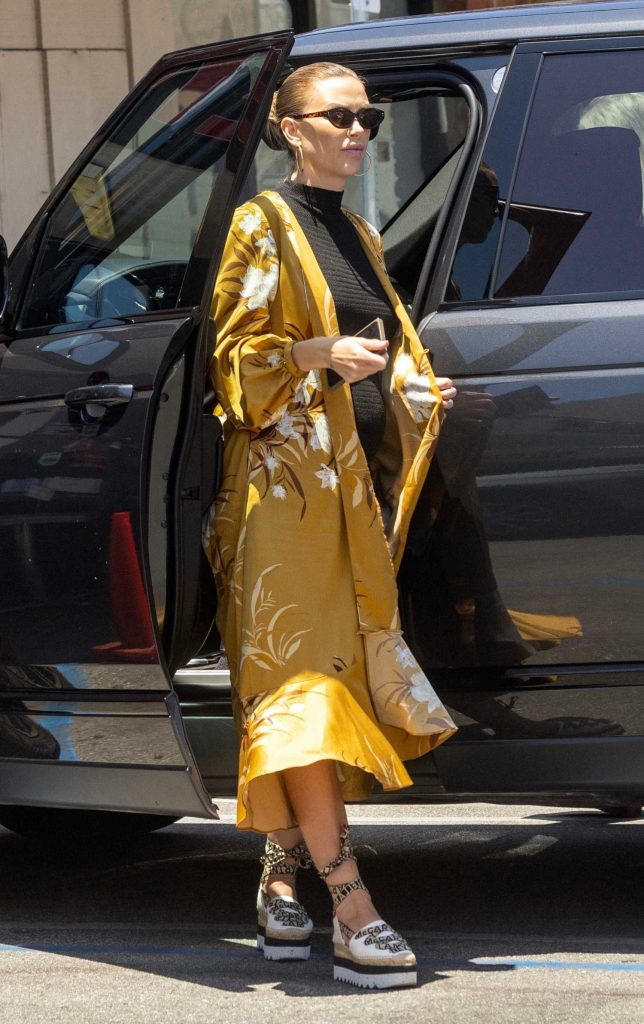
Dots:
(303, 552)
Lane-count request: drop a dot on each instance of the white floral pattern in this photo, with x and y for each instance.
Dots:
(404, 657)
(262, 643)
(321, 436)
(403, 365)
(416, 387)
(259, 286)
(286, 425)
(251, 222)
(277, 455)
(266, 244)
(421, 401)
(305, 392)
(293, 460)
(328, 477)
(402, 694)
(421, 690)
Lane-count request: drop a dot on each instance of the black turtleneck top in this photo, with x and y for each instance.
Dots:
(357, 293)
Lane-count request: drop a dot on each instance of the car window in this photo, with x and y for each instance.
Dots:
(413, 159)
(119, 242)
(573, 225)
(478, 240)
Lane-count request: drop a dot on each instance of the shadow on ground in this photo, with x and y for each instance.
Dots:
(179, 903)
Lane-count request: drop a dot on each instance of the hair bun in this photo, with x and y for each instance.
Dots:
(291, 96)
(273, 135)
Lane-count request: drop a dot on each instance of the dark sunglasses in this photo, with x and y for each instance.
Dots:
(369, 118)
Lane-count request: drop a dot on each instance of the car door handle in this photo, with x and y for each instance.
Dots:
(105, 395)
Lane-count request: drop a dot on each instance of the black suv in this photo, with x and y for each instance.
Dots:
(507, 183)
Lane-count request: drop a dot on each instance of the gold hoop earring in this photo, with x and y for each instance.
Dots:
(361, 174)
(299, 159)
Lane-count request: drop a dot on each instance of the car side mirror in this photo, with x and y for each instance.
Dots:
(4, 278)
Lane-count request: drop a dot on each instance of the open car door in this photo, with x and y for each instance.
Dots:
(106, 458)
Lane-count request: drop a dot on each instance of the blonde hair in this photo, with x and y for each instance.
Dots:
(291, 97)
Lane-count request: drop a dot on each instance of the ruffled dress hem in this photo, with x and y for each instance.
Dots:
(312, 719)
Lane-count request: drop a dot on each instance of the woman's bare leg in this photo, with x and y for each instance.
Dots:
(316, 799)
(283, 885)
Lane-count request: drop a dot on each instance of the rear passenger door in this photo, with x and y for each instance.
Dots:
(538, 546)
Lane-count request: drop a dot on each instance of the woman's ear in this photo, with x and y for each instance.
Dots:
(291, 131)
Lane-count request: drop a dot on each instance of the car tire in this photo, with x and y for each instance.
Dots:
(622, 810)
(60, 825)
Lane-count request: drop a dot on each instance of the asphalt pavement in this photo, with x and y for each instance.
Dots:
(516, 914)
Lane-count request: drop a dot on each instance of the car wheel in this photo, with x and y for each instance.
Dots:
(622, 810)
(58, 825)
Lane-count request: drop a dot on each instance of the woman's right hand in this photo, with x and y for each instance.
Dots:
(354, 358)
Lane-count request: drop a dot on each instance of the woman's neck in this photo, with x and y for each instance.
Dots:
(330, 183)
(321, 202)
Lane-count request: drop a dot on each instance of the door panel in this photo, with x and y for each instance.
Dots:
(542, 480)
(101, 390)
(98, 733)
(524, 597)
(70, 513)
(171, 791)
(578, 772)
(522, 585)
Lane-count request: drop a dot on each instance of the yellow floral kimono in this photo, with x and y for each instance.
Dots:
(304, 554)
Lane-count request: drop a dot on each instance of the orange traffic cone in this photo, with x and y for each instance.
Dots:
(130, 609)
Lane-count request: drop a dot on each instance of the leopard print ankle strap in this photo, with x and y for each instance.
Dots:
(340, 892)
(278, 861)
(346, 853)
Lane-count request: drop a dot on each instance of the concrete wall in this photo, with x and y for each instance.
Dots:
(65, 64)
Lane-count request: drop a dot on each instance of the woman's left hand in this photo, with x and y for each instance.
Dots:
(447, 390)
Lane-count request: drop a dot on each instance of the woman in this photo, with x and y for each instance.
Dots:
(328, 438)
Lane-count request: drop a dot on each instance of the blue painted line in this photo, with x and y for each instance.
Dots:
(90, 950)
(76, 675)
(559, 965)
(61, 727)
(617, 582)
(242, 952)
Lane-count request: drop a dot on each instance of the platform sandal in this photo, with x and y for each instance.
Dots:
(283, 925)
(374, 956)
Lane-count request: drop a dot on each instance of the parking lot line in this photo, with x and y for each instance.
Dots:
(240, 950)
